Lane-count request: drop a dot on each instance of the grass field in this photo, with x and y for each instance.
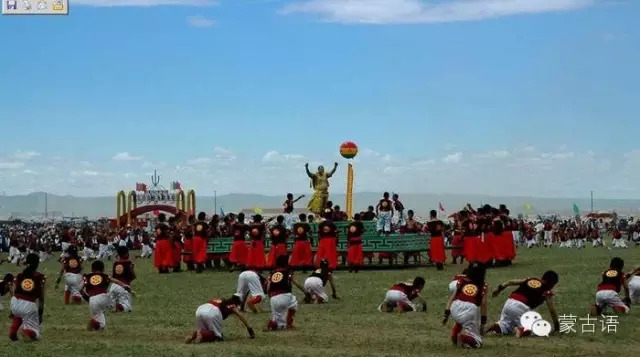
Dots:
(165, 306)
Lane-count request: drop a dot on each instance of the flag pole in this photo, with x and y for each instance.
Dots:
(592, 201)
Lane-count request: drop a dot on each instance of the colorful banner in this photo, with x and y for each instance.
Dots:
(576, 209)
(441, 207)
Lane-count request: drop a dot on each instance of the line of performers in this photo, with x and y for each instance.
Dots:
(484, 235)
(467, 305)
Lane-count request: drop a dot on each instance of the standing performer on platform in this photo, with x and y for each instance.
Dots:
(29, 289)
(200, 238)
(188, 243)
(384, 211)
(327, 244)
(256, 250)
(239, 252)
(399, 208)
(302, 254)
(320, 184)
(355, 256)
(162, 256)
(436, 243)
(279, 235)
(288, 209)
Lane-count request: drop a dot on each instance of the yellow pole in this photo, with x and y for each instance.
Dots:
(132, 204)
(191, 202)
(350, 191)
(121, 206)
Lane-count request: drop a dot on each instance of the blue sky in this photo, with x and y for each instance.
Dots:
(512, 97)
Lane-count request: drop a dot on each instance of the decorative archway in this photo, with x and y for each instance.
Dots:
(150, 208)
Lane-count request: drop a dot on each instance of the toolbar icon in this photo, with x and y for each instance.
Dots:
(42, 5)
(12, 5)
(58, 5)
(26, 4)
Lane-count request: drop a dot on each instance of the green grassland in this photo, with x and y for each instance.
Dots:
(165, 307)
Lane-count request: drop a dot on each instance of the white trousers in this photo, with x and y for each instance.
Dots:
(73, 283)
(598, 242)
(146, 251)
(634, 289)
(610, 298)
(510, 316)
(98, 304)
(28, 312)
(468, 315)
(280, 306)
(384, 221)
(619, 243)
(120, 296)
(395, 298)
(548, 238)
(15, 255)
(209, 318)
(249, 282)
(88, 253)
(313, 286)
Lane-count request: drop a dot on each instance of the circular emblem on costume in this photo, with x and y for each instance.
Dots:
(73, 263)
(470, 290)
(199, 228)
(277, 277)
(353, 229)
(326, 229)
(27, 285)
(95, 280)
(119, 269)
(255, 231)
(611, 273)
(534, 284)
(384, 203)
(300, 230)
(276, 232)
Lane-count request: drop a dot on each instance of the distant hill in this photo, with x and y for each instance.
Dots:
(94, 207)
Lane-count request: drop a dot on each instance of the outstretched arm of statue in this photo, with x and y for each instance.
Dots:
(306, 167)
(335, 167)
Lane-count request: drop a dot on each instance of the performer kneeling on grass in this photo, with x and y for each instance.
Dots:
(283, 303)
(71, 270)
(29, 288)
(613, 279)
(468, 307)
(96, 288)
(633, 279)
(401, 296)
(209, 319)
(530, 294)
(250, 282)
(124, 271)
(315, 283)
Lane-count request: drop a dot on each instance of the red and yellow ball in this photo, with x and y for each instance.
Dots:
(348, 150)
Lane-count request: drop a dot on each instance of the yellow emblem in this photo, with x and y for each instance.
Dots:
(199, 227)
(611, 273)
(534, 284)
(326, 229)
(95, 280)
(353, 229)
(470, 290)
(300, 230)
(119, 269)
(27, 285)
(277, 277)
(276, 232)
(73, 263)
(384, 203)
(255, 231)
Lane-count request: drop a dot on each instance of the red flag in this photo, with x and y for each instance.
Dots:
(441, 206)
(178, 186)
(144, 187)
(138, 186)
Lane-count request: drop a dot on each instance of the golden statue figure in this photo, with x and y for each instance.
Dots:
(320, 185)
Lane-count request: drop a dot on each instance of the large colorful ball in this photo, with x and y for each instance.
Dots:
(348, 150)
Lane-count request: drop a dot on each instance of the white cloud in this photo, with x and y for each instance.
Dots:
(25, 155)
(223, 154)
(498, 154)
(276, 157)
(11, 164)
(125, 156)
(419, 11)
(143, 3)
(452, 158)
(200, 21)
(29, 172)
(84, 173)
(199, 161)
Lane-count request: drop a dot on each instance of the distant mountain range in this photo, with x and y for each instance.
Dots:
(33, 205)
